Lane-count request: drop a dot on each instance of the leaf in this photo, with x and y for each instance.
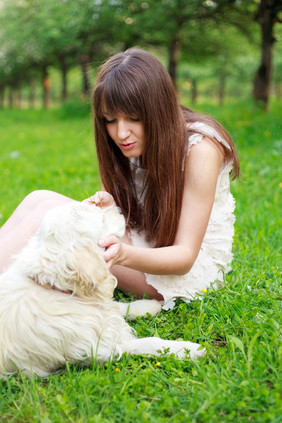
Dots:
(250, 351)
(238, 344)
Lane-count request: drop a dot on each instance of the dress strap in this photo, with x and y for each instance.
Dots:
(204, 130)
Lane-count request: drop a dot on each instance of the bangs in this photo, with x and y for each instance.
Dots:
(118, 93)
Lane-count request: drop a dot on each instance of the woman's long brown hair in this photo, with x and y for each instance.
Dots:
(136, 83)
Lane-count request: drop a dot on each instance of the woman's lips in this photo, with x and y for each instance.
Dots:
(127, 146)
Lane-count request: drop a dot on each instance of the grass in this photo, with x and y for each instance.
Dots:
(239, 379)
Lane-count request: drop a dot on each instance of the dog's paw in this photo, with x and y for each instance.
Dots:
(140, 308)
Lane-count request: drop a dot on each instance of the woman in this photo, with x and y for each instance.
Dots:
(167, 168)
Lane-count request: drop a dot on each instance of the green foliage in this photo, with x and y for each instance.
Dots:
(221, 37)
(238, 380)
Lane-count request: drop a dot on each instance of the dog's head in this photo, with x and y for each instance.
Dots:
(65, 251)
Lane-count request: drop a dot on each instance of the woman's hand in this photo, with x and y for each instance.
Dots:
(113, 250)
(101, 199)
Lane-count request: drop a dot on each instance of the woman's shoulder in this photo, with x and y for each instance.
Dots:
(202, 154)
(205, 129)
(199, 131)
(205, 145)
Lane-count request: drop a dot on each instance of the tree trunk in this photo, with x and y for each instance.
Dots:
(11, 98)
(194, 91)
(222, 86)
(64, 69)
(174, 50)
(278, 90)
(266, 16)
(86, 88)
(46, 87)
(2, 97)
(19, 96)
(31, 97)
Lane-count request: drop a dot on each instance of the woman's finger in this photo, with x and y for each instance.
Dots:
(109, 240)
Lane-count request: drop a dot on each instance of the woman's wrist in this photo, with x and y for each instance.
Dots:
(124, 259)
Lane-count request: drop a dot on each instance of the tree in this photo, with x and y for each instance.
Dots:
(35, 35)
(266, 16)
(178, 25)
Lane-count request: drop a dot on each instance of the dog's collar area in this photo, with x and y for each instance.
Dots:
(48, 285)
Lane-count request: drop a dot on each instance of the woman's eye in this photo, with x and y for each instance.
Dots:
(135, 119)
(110, 120)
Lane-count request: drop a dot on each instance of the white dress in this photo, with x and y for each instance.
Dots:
(215, 255)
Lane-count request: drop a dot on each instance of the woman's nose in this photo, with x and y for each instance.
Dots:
(123, 129)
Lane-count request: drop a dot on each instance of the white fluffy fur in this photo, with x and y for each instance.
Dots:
(41, 329)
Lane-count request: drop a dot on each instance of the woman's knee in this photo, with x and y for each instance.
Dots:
(38, 197)
(48, 202)
(36, 214)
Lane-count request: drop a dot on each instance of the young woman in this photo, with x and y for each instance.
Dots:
(168, 170)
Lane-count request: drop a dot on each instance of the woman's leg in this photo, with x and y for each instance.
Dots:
(134, 282)
(31, 201)
(24, 222)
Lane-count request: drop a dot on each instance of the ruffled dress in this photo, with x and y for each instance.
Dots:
(215, 254)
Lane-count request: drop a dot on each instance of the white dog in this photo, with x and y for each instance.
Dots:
(76, 321)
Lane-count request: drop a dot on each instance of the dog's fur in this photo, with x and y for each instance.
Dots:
(77, 321)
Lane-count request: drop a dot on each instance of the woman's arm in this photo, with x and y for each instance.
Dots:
(202, 168)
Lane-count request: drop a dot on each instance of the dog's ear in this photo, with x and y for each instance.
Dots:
(90, 274)
(89, 267)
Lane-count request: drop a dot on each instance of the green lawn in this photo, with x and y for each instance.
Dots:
(238, 380)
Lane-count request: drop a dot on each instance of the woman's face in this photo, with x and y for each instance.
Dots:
(127, 132)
